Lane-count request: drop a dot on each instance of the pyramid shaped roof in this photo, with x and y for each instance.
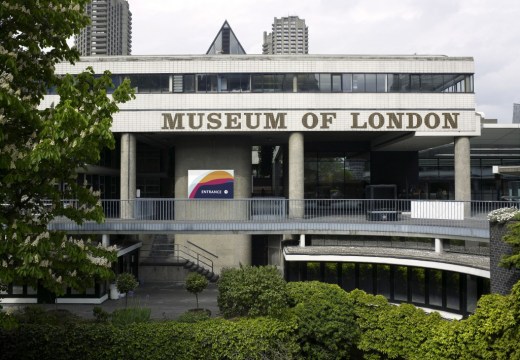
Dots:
(226, 42)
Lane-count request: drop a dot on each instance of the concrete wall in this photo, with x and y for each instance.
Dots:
(216, 153)
(501, 279)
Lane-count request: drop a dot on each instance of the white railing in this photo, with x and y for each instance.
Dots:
(417, 212)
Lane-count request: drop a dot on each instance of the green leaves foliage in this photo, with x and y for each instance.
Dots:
(259, 338)
(195, 284)
(512, 237)
(41, 148)
(326, 323)
(251, 291)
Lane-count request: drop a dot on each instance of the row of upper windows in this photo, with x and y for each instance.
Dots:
(319, 82)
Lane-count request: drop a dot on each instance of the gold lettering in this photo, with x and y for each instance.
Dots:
(272, 123)
(395, 122)
(232, 121)
(436, 120)
(191, 120)
(214, 121)
(326, 119)
(355, 122)
(249, 123)
(373, 124)
(172, 122)
(305, 121)
(411, 123)
(452, 120)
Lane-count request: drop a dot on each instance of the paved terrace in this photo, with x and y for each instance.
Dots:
(417, 218)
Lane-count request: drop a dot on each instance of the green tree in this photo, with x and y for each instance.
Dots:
(195, 284)
(41, 148)
(126, 282)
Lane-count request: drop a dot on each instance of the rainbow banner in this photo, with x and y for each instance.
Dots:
(210, 184)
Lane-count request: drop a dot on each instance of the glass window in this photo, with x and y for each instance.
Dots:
(347, 82)
(366, 278)
(393, 83)
(207, 83)
(415, 83)
(348, 276)
(234, 82)
(336, 83)
(331, 273)
(358, 82)
(325, 82)
(404, 83)
(189, 83)
(437, 83)
(435, 287)
(383, 280)
(400, 283)
(370, 83)
(417, 283)
(313, 271)
(471, 293)
(150, 83)
(381, 83)
(452, 290)
(426, 83)
(308, 83)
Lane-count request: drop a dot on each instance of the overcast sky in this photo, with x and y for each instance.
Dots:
(487, 30)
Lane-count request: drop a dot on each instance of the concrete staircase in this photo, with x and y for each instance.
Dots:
(161, 251)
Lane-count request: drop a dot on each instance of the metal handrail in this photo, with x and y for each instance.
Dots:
(197, 256)
(267, 212)
(198, 247)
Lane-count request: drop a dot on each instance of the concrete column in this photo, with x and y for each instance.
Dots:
(302, 240)
(463, 172)
(296, 190)
(128, 175)
(439, 246)
(295, 83)
(105, 240)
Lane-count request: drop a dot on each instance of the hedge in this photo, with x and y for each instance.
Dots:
(258, 338)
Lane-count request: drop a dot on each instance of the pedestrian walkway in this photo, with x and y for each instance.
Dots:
(167, 301)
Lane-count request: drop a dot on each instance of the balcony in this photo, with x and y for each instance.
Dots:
(417, 218)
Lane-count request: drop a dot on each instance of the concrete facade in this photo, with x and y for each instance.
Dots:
(194, 153)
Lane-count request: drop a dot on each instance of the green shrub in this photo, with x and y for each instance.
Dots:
(397, 332)
(326, 321)
(35, 314)
(193, 316)
(7, 321)
(493, 332)
(100, 315)
(251, 291)
(258, 338)
(195, 284)
(127, 316)
(126, 282)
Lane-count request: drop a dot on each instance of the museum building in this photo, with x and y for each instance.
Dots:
(343, 130)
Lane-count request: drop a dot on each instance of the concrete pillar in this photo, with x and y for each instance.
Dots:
(463, 172)
(439, 246)
(128, 175)
(295, 83)
(105, 240)
(302, 240)
(296, 181)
